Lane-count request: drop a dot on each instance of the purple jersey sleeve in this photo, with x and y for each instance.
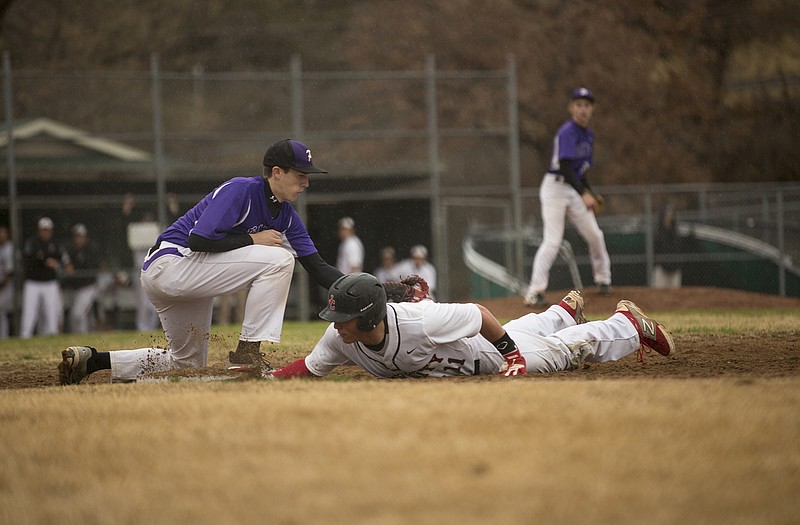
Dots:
(239, 206)
(575, 143)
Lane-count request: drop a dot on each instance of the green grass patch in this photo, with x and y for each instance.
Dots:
(296, 336)
(300, 337)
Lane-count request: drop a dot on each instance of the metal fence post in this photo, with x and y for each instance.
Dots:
(514, 166)
(648, 241)
(298, 129)
(703, 202)
(158, 139)
(781, 244)
(439, 248)
(512, 259)
(15, 224)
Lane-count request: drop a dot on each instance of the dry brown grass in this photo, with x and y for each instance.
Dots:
(612, 451)
(710, 435)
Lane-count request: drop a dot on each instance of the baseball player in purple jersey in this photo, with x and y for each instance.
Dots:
(429, 339)
(243, 235)
(565, 193)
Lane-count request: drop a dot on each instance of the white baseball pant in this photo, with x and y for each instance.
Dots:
(146, 315)
(41, 304)
(80, 311)
(551, 341)
(183, 288)
(560, 201)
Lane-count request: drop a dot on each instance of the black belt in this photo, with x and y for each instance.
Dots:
(154, 247)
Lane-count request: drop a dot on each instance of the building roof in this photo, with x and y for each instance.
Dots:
(51, 150)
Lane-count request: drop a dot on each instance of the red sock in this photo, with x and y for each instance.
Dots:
(570, 310)
(631, 318)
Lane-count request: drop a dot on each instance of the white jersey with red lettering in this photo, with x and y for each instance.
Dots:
(429, 339)
(422, 339)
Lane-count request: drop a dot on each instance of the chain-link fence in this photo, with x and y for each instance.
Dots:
(743, 236)
(77, 145)
(415, 157)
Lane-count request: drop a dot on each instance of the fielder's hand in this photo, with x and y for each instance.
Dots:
(593, 201)
(267, 238)
(601, 204)
(514, 364)
(411, 289)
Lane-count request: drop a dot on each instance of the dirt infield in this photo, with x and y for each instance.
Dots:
(688, 298)
(761, 353)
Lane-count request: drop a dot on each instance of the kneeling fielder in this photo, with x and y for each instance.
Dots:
(429, 339)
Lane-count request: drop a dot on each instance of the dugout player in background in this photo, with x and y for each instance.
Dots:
(430, 339)
(243, 235)
(350, 257)
(87, 262)
(44, 260)
(565, 193)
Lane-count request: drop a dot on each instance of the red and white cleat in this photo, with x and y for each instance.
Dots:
(652, 334)
(574, 303)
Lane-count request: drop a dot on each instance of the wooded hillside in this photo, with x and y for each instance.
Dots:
(686, 90)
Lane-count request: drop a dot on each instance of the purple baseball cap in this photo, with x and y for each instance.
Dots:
(582, 92)
(289, 153)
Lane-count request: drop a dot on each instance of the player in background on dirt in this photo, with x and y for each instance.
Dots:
(386, 271)
(44, 261)
(429, 339)
(243, 235)
(565, 193)
(137, 221)
(418, 264)
(350, 256)
(87, 263)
